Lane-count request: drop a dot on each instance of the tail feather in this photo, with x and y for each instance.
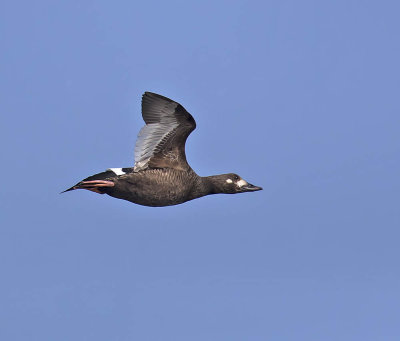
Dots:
(100, 176)
(69, 189)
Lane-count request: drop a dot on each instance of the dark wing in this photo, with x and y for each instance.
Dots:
(161, 142)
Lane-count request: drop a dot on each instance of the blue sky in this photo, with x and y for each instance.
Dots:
(299, 97)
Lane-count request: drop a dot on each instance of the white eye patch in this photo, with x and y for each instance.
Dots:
(229, 181)
(241, 183)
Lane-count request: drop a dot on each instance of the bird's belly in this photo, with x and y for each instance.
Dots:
(152, 193)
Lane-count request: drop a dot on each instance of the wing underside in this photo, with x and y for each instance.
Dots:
(161, 142)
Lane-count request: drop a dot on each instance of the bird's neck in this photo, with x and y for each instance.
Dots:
(210, 185)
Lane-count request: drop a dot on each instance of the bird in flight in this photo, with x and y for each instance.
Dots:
(161, 176)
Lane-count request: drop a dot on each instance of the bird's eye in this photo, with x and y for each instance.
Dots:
(235, 177)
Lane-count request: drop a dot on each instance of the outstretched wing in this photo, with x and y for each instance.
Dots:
(161, 142)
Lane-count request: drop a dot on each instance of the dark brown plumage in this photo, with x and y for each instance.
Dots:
(161, 175)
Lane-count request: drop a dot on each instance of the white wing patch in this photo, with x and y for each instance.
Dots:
(117, 171)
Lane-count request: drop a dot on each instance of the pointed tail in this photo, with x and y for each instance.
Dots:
(69, 189)
(96, 183)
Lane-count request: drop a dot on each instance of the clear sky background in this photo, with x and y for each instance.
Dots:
(299, 97)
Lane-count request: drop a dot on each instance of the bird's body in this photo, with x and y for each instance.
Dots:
(161, 175)
(157, 187)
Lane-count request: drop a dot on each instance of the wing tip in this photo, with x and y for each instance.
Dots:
(152, 95)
